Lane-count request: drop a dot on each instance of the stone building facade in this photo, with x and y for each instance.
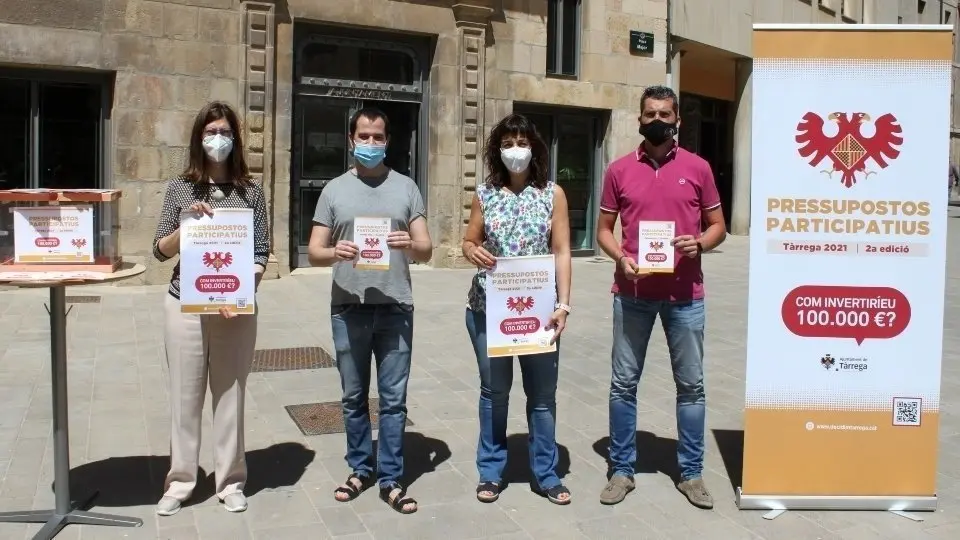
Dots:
(102, 93)
(157, 62)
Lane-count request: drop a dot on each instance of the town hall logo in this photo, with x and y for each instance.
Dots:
(849, 151)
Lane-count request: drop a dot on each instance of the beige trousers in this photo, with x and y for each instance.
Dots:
(202, 347)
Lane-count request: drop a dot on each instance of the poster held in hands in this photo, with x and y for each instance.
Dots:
(521, 295)
(370, 236)
(655, 253)
(216, 262)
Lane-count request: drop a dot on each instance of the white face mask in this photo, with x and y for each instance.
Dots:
(516, 158)
(217, 147)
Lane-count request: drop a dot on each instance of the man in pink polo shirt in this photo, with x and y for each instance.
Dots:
(659, 182)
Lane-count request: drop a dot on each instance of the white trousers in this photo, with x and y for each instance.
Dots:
(201, 348)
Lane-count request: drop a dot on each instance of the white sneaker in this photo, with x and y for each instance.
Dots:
(168, 506)
(235, 502)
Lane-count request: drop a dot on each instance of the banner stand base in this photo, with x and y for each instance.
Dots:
(776, 505)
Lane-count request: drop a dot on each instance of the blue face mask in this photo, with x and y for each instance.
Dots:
(369, 155)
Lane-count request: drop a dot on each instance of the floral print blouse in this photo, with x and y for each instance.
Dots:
(514, 225)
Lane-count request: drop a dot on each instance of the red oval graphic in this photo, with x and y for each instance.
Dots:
(47, 242)
(856, 313)
(218, 284)
(371, 254)
(656, 257)
(520, 325)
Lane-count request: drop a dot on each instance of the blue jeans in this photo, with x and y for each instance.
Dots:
(539, 373)
(683, 323)
(384, 331)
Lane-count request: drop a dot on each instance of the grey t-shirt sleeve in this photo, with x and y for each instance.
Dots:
(323, 215)
(416, 202)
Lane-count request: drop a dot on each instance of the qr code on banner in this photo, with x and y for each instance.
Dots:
(906, 411)
(241, 303)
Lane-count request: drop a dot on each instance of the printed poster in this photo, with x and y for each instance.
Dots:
(521, 295)
(216, 262)
(53, 234)
(847, 258)
(370, 236)
(655, 252)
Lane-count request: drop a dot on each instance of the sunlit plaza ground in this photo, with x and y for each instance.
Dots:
(119, 424)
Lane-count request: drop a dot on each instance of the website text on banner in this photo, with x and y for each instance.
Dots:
(216, 262)
(847, 255)
(521, 295)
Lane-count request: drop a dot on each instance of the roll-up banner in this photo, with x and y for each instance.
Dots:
(849, 194)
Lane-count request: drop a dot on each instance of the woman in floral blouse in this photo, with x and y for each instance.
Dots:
(517, 212)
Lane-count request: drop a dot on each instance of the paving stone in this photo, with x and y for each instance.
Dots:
(119, 414)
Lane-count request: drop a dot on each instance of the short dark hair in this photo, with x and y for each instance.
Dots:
(196, 170)
(370, 113)
(520, 126)
(660, 93)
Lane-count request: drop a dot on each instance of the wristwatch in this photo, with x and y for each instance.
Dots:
(564, 307)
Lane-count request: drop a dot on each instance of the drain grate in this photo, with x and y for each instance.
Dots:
(327, 417)
(291, 359)
(82, 299)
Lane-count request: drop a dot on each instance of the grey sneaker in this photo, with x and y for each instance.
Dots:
(168, 506)
(696, 492)
(235, 502)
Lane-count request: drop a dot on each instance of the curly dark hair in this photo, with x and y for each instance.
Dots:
(519, 126)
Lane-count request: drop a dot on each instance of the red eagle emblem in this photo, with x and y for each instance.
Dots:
(519, 304)
(656, 246)
(371, 242)
(217, 260)
(849, 149)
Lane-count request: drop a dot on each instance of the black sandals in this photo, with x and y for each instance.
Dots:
(350, 489)
(399, 501)
(485, 488)
(553, 494)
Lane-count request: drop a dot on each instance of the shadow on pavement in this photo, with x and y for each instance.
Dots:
(730, 442)
(138, 480)
(518, 461)
(654, 455)
(421, 455)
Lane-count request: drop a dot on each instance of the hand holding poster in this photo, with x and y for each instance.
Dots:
(216, 262)
(521, 295)
(53, 234)
(370, 236)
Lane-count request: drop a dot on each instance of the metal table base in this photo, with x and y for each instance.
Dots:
(66, 511)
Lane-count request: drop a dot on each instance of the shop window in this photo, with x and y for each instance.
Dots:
(51, 133)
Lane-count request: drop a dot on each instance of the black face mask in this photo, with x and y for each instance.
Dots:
(658, 132)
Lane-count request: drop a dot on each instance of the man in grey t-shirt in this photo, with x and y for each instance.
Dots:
(372, 300)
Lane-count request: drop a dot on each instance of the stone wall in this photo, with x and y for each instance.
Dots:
(170, 59)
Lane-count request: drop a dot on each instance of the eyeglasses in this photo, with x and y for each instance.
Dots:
(211, 132)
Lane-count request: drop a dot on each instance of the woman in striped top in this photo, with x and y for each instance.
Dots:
(214, 348)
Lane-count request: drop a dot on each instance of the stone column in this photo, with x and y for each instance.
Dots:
(742, 151)
(472, 17)
(257, 78)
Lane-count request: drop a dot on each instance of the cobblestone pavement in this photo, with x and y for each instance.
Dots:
(119, 426)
